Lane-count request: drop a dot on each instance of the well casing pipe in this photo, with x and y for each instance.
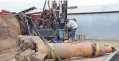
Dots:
(68, 50)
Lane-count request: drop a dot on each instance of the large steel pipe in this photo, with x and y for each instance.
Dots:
(68, 50)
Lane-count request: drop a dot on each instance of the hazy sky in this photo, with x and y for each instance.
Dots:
(18, 5)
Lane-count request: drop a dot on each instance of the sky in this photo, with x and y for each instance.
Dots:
(19, 5)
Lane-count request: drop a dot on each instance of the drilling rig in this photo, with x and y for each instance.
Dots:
(51, 23)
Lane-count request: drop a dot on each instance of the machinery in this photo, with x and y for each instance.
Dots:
(51, 24)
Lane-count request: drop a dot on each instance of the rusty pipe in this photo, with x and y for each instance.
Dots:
(68, 50)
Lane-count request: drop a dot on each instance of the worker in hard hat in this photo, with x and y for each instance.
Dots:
(72, 27)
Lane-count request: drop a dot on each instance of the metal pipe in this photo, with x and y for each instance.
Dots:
(27, 10)
(68, 50)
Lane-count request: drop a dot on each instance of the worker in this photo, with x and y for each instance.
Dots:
(72, 27)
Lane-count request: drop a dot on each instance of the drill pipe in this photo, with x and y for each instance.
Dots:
(68, 50)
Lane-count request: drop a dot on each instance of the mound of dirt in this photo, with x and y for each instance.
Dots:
(9, 27)
(9, 30)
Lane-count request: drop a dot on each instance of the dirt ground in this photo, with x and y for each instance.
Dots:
(12, 51)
